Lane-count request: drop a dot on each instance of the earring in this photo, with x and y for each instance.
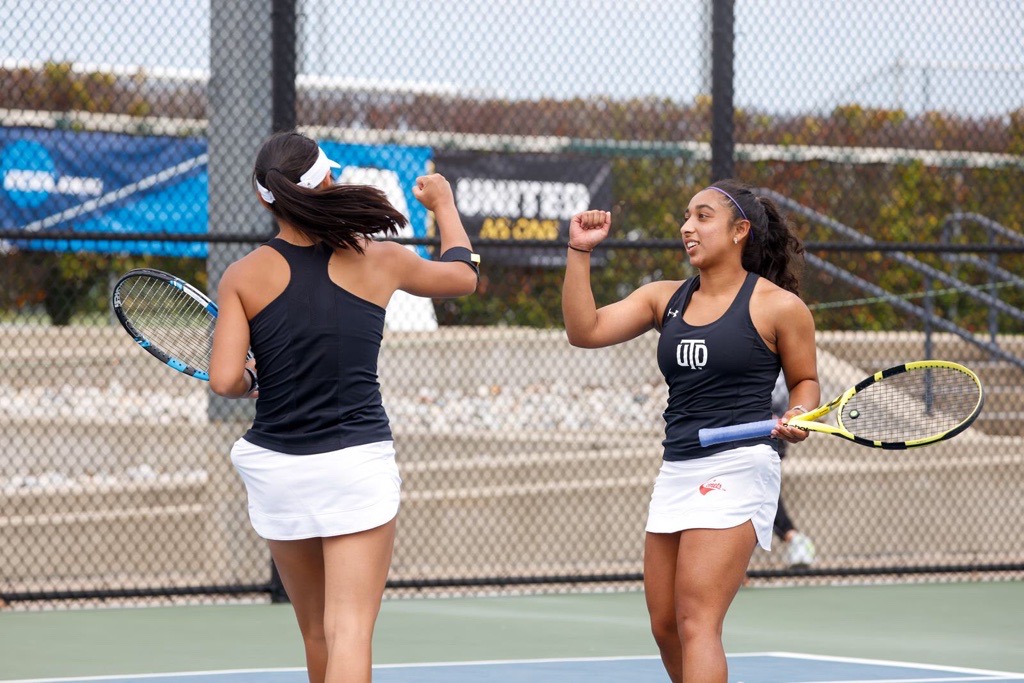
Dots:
(735, 240)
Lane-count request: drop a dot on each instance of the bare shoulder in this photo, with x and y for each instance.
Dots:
(384, 256)
(258, 265)
(779, 314)
(776, 301)
(661, 291)
(657, 295)
(386, 249)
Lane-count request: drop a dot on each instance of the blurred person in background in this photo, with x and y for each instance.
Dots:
(800, 551)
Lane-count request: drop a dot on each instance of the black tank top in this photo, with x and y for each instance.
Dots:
(718, 374)
(316, 348)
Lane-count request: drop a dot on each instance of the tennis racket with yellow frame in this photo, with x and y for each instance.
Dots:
(905, 406)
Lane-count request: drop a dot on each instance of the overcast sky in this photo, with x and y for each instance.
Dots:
(965, 56)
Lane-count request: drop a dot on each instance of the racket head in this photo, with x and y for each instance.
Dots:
(909, 405)
(168, 317)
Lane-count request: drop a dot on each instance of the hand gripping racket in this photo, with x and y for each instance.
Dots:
(906, 406)
(169, 318)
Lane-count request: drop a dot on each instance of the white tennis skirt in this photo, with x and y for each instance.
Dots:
(320, 495)
(720, 491)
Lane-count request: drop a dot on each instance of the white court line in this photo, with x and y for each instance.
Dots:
(916, 680)
(494, 662)
(978, 674)
(404, 665)
(885, 662)
(175, 674)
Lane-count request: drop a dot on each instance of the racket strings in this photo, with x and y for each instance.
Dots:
(170, 319)
(912, 405)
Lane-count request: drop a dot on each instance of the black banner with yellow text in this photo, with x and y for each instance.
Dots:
(520, 197)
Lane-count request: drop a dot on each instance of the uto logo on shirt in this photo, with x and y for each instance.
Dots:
(692, 353)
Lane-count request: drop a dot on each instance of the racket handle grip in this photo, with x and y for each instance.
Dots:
(747, 430)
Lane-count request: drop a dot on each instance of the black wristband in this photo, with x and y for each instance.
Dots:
(464, 255)
(585, 251)
(253, 383)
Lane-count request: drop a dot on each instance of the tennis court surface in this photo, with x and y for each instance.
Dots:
(909, 633)
(769, 667)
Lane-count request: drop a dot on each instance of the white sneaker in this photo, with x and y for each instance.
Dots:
(800, 551)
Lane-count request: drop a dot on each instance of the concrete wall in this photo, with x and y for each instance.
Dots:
(126, 495)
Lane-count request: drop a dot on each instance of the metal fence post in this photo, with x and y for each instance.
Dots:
(722, 112)
(240, 107)
(283, 96)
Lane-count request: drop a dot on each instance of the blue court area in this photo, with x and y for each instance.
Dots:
(772, 667)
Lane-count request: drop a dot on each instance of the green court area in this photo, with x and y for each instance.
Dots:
(970, 625)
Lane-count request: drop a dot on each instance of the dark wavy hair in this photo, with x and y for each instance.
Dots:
(772, 250)
(337, 216)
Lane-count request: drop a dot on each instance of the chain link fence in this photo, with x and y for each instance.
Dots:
(892, 135)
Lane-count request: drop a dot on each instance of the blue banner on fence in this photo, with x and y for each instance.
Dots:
(393, 169)
(66, 181)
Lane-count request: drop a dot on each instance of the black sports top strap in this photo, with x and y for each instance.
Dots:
(316, 348)
(718, 374)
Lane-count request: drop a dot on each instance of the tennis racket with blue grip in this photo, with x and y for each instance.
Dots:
(909, 405)
(169, 318)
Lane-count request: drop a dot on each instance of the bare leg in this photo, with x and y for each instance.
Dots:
(660, 555)
(710, 570)
(356, 570)
(301, 567)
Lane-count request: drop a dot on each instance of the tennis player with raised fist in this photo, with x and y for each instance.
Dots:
(725, 334)
(318, 462)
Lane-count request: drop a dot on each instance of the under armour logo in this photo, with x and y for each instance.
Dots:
(692, 353)
(672, 313)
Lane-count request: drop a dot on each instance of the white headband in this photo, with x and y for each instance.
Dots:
(310, 179)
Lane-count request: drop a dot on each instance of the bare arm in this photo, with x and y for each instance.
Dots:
(421, 277)
(586, 325)
(230, 340)
(435, 193)
(797, 350)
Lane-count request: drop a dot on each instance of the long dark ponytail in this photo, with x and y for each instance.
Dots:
(339, 216)
(772, 250)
